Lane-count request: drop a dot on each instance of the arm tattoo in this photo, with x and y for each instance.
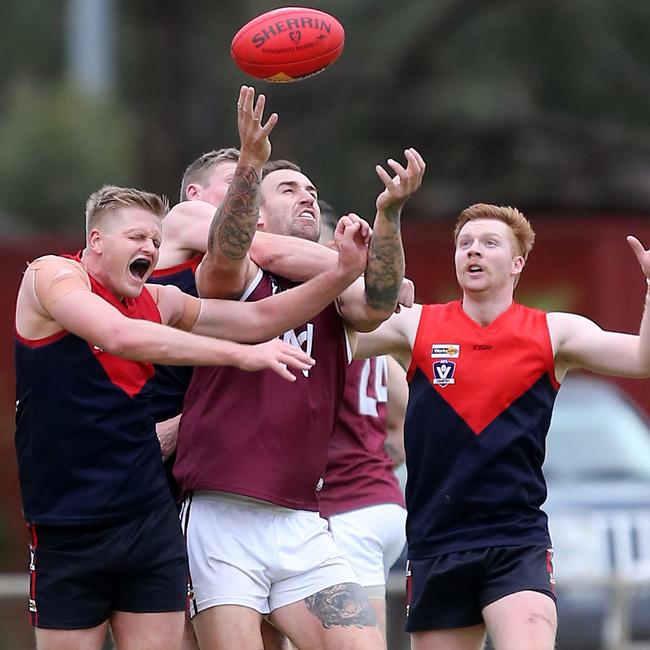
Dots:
(384, 272)
(233, 226)
(344, 604)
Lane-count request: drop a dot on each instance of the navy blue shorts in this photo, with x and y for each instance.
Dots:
(450, 591)
(79, 575)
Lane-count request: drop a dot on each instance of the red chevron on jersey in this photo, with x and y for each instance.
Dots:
(130, 376)
(470, 366)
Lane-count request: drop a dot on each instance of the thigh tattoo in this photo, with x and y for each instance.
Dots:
(343, 604)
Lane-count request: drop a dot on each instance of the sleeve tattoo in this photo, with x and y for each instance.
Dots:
(233, 227)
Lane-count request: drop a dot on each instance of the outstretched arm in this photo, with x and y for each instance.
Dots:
(226, 266)
(579, 343)
(55, 295)
(385, 270)
(260, 320)
(395, 336)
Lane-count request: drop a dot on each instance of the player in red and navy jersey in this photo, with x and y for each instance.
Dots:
(252, 460)
(106, 541)
(484, 372)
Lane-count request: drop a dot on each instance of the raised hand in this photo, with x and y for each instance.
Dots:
(403, 184)
(351, 237)
(642, 255)
(255, 146)
(275, 355)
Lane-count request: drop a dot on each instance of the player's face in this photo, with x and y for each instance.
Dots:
(129, 246)
(485, 255)
(218, 183)
(289, 205)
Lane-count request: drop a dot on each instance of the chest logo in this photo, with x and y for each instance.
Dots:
(445, 350)
(443, 373)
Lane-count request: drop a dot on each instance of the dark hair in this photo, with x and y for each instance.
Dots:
(275, 165)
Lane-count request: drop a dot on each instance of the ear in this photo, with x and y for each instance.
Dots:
(96, 241)
(193, 191)
(261, 219)
(518, 263)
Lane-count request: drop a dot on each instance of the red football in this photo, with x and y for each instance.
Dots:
(288, 44)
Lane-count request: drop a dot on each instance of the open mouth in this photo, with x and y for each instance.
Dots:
(475, 268)
(139, 267)
(307, 214)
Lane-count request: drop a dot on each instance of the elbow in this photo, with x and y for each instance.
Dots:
(121, 342)
(369, 319)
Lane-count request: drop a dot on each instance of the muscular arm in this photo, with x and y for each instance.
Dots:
(55, 295)
(394, 336)
(186, 229)
(263, 319)
(227, 267)
(580, 343)
(291, 257)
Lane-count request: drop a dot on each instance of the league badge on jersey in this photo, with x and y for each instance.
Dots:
(443, 373)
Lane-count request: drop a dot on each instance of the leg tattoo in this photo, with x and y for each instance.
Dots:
(344, 604)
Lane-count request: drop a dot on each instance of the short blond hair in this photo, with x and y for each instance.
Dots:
(522, 231)
(199, 170)
(108, 199)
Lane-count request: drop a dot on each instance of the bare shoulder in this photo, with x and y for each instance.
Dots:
(50, 269)
(185, 214)
(175, 307)
(563, 324)
(46, 279)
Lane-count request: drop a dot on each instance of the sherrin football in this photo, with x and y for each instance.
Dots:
(288, 44)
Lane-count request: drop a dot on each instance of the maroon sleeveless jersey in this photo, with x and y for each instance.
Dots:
(359, 472)
(254, 433)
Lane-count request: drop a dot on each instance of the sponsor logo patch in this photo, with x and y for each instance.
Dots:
(445, 350)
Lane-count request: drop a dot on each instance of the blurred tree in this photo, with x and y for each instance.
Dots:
(542, 105)
(55, 148)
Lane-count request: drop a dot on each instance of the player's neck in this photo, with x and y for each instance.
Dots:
(485, 307)
(94, 268)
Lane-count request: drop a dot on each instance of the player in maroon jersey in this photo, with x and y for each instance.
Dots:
(94, 495)
(251, 456)
(185, 237)
(483, 373)
(361, 497)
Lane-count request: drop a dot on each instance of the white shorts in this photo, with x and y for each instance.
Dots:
(371, 539)
(252, 553)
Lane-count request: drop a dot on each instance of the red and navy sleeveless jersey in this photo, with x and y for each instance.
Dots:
(359, 472)
(85, 441)
(254, 433)
(480, 403)
(171, 382)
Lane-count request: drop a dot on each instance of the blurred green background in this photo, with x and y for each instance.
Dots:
(542, 105)
(539, 104)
